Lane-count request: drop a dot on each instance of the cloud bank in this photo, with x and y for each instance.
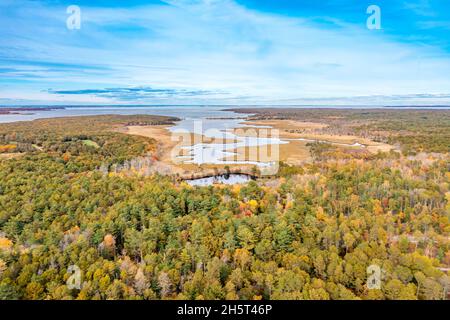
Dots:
(214, 52)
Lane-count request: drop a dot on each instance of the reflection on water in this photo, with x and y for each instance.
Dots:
(222, 179)
(215, 153)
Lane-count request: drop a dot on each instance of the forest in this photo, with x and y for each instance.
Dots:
(310, 232)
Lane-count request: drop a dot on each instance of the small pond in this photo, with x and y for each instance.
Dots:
(221, 179)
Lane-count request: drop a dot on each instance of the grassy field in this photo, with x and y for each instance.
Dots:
(297, 152)
(412, 131)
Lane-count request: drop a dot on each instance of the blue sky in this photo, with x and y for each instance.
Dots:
(225, 52)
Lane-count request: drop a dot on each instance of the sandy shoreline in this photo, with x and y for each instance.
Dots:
(170, 145)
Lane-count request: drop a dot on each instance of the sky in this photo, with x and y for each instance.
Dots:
(225, 52)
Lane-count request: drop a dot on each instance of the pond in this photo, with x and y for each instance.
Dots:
(220, 179)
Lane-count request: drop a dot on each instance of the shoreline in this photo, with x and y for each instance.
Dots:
(166, 146)
(297, 134)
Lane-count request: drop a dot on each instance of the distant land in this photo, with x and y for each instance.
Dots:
(13, 108)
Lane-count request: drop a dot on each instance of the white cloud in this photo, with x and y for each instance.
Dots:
(220, 45)
(20, 97)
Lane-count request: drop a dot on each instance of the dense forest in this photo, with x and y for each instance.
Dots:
(309, 233)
